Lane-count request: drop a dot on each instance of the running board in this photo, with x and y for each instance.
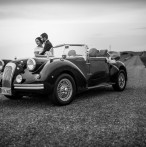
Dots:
(101, 85)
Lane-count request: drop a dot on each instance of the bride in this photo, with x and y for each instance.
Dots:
(39, 47)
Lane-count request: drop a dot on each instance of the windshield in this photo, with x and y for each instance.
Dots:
(69, 51)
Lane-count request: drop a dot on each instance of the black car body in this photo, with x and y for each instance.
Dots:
(71, 69)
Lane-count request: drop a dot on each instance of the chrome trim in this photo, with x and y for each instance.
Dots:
(29, 86)
(100, 85)
(116, 67)
(13, 66)
(60, 45)
(2, 64)
(98, 57)
(34, 62)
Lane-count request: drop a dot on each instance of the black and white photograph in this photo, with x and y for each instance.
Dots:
(73, 73)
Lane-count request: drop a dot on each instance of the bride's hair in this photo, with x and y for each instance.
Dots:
(39, 38)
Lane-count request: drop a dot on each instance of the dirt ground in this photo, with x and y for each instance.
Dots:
(98, 117)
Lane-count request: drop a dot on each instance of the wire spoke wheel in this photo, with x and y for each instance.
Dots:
(121, 80)
(64, 89)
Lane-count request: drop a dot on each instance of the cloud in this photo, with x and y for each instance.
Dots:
(12, 14)
(103, 11)
(141, 28)
(70, 1)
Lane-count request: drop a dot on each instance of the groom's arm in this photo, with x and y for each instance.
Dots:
(47, 47)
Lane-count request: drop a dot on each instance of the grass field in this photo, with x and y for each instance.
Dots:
(99, 117)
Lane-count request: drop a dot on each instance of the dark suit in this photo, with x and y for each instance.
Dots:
(47, 47)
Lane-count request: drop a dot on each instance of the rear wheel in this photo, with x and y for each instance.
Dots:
(120, 81)
(64, 90)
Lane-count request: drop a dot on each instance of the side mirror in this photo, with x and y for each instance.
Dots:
(64, 56)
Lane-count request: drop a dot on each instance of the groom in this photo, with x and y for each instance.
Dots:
(47, 43)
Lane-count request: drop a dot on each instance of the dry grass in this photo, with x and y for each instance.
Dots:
(99, 117)
(143, 59)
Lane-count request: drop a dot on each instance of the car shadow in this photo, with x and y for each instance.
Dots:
(98, 90)
(25, 102)
(43, 102)
(101, 94)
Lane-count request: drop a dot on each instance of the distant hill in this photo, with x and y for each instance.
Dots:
(131, 53)
(125, 55)
(143, 54)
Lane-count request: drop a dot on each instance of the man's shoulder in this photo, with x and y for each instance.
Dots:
(48, 42)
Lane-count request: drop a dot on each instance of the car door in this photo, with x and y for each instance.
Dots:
(99, 71)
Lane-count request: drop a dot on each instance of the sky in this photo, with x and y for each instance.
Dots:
(120, 24)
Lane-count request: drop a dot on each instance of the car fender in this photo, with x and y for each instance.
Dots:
(52, 71)
(5, 61)
(114, 70)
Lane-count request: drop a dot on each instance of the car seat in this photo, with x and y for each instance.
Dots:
(103, 53)
(93, 52)
(72, 53)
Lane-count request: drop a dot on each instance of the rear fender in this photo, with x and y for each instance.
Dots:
(113, 73)
(114, 70)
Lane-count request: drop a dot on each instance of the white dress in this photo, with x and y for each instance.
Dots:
(38, 50)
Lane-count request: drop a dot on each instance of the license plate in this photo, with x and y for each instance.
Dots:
(6, 91)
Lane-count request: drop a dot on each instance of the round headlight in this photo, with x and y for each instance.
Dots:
(1, 64)
(19, 79)
(31, 64)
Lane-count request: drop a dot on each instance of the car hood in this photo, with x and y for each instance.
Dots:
(40, 62)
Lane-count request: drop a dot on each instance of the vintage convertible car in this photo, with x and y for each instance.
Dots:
(72, 68)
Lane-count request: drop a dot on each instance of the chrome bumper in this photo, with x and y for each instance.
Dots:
(29, 86)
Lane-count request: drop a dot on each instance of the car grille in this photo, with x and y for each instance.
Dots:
(8, 75)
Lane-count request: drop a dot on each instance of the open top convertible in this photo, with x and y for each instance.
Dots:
(72, 68)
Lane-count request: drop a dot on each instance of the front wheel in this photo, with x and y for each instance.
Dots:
(120, 81)
(64, 90)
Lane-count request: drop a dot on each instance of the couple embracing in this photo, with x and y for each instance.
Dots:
(43, 45)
